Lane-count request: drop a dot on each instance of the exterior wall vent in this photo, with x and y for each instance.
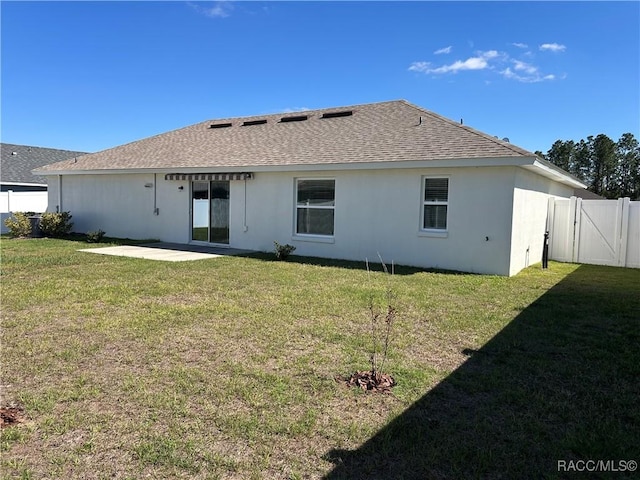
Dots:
(299, 118)
(253, 122)
(344, 113)
(220, 125)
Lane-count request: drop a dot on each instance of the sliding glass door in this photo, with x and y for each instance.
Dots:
(200, 211)
(210, 212)
(219, 212)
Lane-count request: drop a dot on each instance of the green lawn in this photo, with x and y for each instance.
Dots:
(225, 368)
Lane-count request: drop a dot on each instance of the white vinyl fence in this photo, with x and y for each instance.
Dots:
(600, 232)
(20, 202)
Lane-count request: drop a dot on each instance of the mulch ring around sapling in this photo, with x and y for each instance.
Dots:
(11, 415)
(370, 381)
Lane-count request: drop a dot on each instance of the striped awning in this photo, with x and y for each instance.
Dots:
(207, 177)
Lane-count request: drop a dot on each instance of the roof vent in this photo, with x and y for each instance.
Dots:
(298, 118)
(344, 113)
(220, 125)
(253, 122)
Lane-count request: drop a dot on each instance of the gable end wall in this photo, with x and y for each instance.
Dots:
(530, 203)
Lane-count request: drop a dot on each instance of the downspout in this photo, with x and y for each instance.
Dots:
(155, 195)
(245, 227)
(59, 206)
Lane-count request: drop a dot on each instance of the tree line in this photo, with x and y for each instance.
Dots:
(610, 169)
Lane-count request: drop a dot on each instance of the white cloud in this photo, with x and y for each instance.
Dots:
(490, 54)
(419, 66)
(493, 61)
(293, 110)
(553, 47)
(443, 50)
(525, 67)
(220, 9)
(525, 73)
(479, 62)
(508, 73)
(472, 63)
(520, 45)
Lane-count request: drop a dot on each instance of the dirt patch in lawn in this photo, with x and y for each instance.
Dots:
(11, 416)
(370, 381)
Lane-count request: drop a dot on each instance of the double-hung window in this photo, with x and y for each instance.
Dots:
(435, 203)
(315, 206)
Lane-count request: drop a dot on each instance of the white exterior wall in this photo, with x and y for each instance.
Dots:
(377, 212)
(530, 208)
(52, 192)
(123, 206)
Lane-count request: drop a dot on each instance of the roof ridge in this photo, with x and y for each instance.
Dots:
(509, 146)
(5, 144)
(299, 112)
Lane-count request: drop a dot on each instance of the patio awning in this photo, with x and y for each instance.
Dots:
(207, 177)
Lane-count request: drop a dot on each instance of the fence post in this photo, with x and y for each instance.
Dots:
(623, 240)
(574, 215)
(551, 210)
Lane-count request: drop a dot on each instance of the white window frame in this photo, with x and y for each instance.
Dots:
(429, 231)
(318, 237)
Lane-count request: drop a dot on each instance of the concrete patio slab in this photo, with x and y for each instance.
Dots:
(167, 252)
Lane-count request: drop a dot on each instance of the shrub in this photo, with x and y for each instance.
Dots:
(381, 326)
(382, 322)
(56, 224)
(95, 236)
(19, 224)
(283, 251)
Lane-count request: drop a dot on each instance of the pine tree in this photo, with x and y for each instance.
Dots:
(610, 169)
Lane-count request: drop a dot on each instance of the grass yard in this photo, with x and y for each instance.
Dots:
(225, 368)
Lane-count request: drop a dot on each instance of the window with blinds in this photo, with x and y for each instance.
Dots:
(315, 206)
(435, 203)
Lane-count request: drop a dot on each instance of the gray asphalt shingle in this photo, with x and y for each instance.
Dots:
(19, 160)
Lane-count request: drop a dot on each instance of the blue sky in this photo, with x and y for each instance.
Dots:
(92, 75)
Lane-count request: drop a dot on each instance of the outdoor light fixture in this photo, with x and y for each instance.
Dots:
(180, 188)
(148, 185)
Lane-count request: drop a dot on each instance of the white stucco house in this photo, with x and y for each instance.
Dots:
(352, 182)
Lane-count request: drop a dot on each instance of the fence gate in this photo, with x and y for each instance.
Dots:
(601, 232)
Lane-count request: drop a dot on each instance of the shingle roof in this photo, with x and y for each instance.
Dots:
(377, 132)
(19, 160)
